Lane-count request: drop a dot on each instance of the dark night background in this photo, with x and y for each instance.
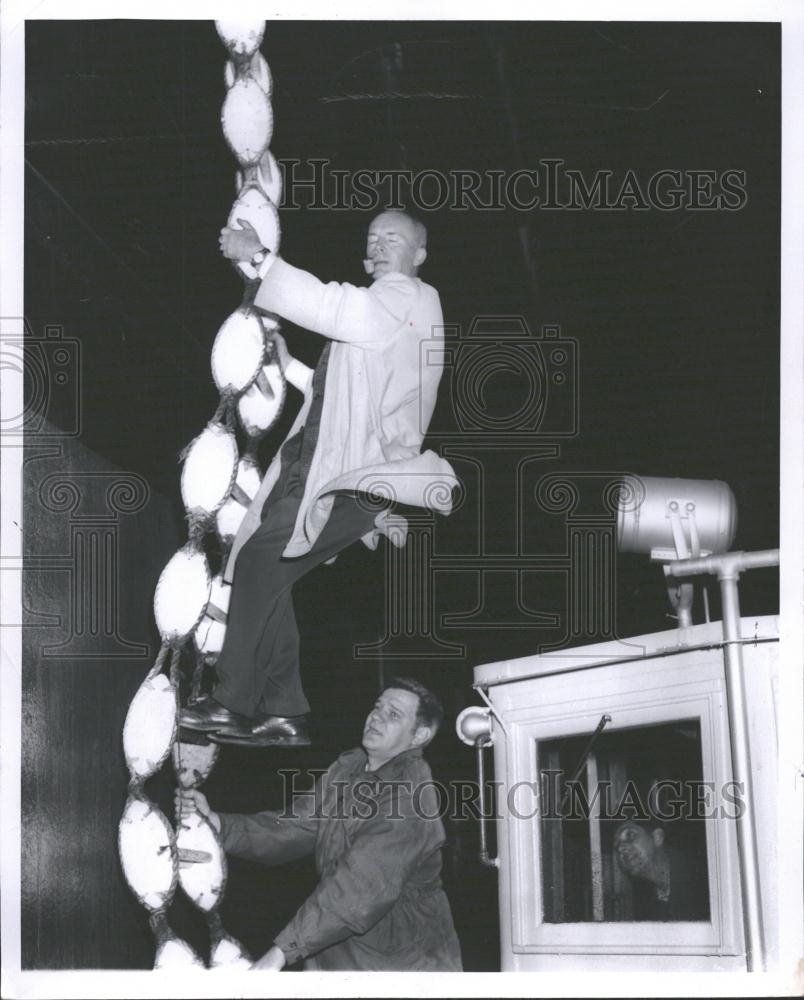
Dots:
(676, 316)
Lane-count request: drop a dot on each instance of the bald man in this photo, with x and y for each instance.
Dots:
(366, 410)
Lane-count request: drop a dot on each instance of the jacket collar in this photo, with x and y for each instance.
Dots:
(392, 768)
(395, 275)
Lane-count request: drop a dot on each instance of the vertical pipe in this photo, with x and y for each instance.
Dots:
(741, 768)
(480, 745)
(728, 568)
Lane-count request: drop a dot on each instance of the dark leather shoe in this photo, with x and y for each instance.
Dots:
(193, 736)
(273, 731)
(208, 715)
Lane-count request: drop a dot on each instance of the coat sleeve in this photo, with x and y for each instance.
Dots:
(272, 838)
(367, 879)
(338, 311)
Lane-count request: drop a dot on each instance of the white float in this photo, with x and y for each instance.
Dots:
(193, 762)
(181, 594)
(238, 351)
(203, 875)
(257, 410)
(270, 177)
(176, 954)
(210, 466)
(242, 37)
(150, 726)
(248, 120)
(211, 631)
(229, 953)
(231, 514)
(148, 853)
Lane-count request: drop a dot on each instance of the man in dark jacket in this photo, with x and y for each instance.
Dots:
(373, 824)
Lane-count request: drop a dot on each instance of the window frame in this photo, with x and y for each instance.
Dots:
(663, 693)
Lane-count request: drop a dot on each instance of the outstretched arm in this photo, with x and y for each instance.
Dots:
(268, 837)
(366, 881)
(338, 311)
(272, 838)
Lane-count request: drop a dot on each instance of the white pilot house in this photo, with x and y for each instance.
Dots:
(636, 779)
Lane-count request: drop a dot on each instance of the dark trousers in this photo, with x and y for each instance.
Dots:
(258, 668)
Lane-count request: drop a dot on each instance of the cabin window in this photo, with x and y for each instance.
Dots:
(623, 825)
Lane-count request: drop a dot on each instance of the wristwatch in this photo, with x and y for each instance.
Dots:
(259, 257)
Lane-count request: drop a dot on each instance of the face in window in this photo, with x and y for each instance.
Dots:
(393, 245)
(391, 726)
(637, 850)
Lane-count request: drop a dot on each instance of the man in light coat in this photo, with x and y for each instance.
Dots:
(373, 824)
(358, 434)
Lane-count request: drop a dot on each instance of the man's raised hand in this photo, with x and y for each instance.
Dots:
(283, 355)
(240, 244)
(189, 800)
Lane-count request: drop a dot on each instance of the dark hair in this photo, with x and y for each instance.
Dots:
(430, 711)
(646, 823)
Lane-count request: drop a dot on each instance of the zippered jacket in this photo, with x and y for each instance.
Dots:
(377, 837)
